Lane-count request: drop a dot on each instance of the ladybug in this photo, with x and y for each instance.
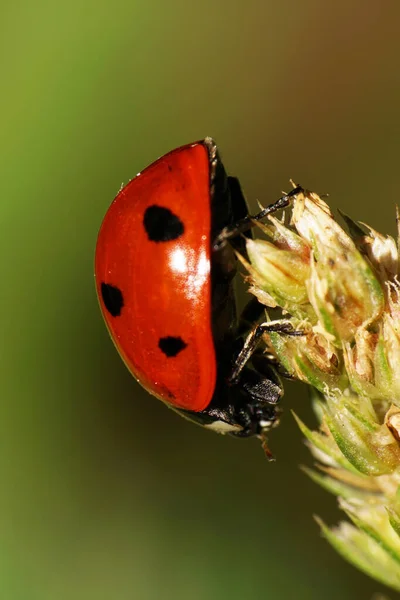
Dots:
(164, 269)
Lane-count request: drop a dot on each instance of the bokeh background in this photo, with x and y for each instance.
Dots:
(105, 494)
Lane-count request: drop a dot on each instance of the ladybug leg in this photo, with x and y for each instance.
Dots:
(249, 221)
(262, 362)
(254, 337)
(252, 312)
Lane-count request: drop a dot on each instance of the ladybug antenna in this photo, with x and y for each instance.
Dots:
(264, 445)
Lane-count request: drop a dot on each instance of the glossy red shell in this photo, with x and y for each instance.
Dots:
(165, 285)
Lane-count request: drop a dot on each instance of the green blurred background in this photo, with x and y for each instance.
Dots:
(106, 494)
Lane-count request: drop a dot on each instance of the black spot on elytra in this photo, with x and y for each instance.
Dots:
(171, 346)
(112, 298)
(161, 224)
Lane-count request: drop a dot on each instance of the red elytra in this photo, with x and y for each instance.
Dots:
(165, 268)
(165, 284)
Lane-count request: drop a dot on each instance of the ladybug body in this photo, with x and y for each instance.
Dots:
(166, 292)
